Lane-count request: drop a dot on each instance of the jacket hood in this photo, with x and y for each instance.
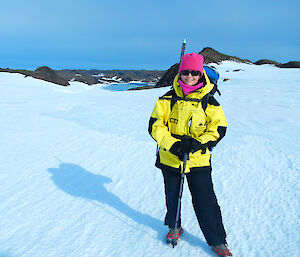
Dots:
(199, 93)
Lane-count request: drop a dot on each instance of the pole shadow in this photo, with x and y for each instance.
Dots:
(78, 182)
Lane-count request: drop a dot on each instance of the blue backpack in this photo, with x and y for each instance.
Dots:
(212, 74)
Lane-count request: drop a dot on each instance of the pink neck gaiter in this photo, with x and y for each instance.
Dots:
(189, 89)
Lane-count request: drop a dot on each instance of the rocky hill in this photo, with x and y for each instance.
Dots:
(111, 76)
(290, 65)
(90, 77)
(155, 78)
(43, 73)
(212, 57)
(266, 61)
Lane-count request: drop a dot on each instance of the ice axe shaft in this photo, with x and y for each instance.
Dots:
(182, 49)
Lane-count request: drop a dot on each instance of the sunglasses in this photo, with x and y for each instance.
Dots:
(192, 72)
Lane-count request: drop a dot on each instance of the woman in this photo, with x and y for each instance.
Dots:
(189, 120)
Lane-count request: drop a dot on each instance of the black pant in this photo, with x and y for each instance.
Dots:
(204, 202)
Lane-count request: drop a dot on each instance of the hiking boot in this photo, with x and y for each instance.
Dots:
(221, 250)
(173, 236)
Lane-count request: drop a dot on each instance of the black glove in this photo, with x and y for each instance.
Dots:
(186, 144)
(179, 148)
(197, 146)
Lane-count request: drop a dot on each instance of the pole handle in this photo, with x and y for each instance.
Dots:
(182, 49)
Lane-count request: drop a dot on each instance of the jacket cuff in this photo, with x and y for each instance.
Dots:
(167, 142)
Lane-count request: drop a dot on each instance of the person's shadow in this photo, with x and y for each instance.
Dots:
(78, 182)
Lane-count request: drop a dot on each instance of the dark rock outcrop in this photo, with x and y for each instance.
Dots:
(47, 74)
(159, 78)
(266, 61)
(293, 64)
(148, 76)
(212, 56)
(142, 88)
(43, 73)
(90, 77)
(87, 79)
(168, 77)
(111, 76)
(24, 72)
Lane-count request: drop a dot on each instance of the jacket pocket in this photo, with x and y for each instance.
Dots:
(198, 123)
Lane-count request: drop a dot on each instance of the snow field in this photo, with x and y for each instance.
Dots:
(78, 178)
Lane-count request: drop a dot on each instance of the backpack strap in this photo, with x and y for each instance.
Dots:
(215, 89)
(181, 99)
(174, 98)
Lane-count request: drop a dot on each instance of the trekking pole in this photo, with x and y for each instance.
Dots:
(185, 157)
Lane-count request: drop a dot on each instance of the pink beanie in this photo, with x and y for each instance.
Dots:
(191, 61)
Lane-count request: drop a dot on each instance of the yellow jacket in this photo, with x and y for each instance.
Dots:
(198, 115)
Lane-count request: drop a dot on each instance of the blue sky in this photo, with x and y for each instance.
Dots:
(136, 34)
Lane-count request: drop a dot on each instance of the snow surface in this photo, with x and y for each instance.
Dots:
(77, 169)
